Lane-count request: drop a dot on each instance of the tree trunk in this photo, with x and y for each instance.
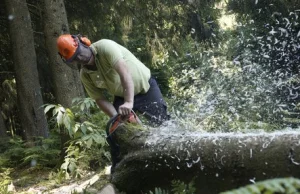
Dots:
(66, 81)
(29, 96)
(3, 128)
(67, 84)
(216, 162)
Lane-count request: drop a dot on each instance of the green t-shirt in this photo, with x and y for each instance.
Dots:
(106, 78)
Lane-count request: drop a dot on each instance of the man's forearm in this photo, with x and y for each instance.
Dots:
(128, 88)
(127, 84)
(126, 81)
(106, 107)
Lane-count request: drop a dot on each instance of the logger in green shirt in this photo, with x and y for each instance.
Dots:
(110, 67)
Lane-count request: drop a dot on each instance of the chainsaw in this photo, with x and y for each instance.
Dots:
(112, 127)
(118, 120)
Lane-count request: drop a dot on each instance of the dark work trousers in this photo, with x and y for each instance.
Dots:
(150, 104)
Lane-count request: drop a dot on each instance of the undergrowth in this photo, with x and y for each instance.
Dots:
(85, 150)
(272, 186)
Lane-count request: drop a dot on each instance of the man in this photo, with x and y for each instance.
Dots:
(110, 67)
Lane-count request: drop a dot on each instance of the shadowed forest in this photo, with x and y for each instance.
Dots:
(223, 67)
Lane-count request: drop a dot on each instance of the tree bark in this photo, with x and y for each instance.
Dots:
(66, 81)
(216, 162)
(32, 118)
(3, 128)
(67, 84)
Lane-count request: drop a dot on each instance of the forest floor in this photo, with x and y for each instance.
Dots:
(38, 181)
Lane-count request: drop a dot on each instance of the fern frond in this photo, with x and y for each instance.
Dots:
(272, 186)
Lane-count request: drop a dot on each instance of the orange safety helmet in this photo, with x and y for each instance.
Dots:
(68, 44)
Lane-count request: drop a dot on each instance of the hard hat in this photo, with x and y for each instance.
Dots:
(68, 44)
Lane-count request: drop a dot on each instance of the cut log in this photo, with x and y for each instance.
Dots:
(215, 162)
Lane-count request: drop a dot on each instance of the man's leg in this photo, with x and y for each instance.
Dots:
(151, 104)
(114, 152)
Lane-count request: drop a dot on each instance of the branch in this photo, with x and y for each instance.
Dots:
(7, 72)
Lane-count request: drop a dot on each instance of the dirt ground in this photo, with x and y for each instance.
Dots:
(33, 181)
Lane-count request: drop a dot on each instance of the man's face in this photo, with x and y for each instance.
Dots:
(84, 55)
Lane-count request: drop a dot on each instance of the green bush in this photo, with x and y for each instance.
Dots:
(5, 180)
(45, 153)
(85, 125)
(272, 186)
(177, 187)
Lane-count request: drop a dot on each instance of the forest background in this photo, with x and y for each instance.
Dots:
(222, 66)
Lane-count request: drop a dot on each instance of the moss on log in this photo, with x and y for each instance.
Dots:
(216, 162)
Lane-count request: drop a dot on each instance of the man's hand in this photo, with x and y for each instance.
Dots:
(125, 108)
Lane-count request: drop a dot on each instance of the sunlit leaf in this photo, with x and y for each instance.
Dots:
(65, 165)
(76, 127)
(82, 107)
(48, 107)
(86, 137)
(72, 166)
(90, 129)
(83, 128)
(89, 142)
(59, 118)
(99, 139)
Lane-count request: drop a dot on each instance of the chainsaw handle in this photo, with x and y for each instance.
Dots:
(110, 122)
(120, 118)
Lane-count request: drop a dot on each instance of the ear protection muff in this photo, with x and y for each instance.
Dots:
(84, 40)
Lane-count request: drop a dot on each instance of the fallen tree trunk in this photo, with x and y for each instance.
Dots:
(215, 162)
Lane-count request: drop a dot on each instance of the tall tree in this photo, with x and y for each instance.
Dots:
(2, 126)
(66, 81)
(29, 96)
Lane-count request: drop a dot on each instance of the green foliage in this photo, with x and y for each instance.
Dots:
(249, 9)
(84, 105)
(84, 128)
(6, 67)
(202, 86)
(4, 190)
(5, 180)
(267, 53)
(12, 152)
(45, 153)
(266, 49)
(64, 117)
(158, 191)
(272, 186)
(70, 162)
(278, 186)
(59, 176)
(8, 107)
(247, 81)
(178, 187)
(293, 115)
